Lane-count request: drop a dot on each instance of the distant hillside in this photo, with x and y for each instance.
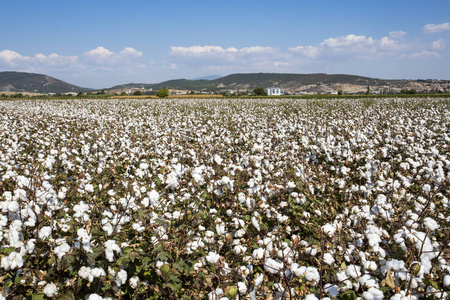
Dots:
(252, 80)
(31, 82)
(181, 84)
(269, 79)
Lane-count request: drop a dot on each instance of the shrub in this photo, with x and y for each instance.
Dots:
(163, 93)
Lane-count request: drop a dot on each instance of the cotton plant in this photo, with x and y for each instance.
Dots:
(282, 198)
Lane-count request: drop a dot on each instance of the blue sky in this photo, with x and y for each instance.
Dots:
(103, 43)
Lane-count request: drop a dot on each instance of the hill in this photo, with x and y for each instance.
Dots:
(318, 82)
(296, 84)
(31, 82)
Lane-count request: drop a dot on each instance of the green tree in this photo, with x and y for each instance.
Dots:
(137, 93)
(259, 91)
(406, 91)
(368, 90)
(163, 93)
(123, 94)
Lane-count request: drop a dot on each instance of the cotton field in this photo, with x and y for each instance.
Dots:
(225, 199)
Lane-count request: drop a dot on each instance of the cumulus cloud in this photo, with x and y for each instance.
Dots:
(198, 51)
(350, 41)
(95, 57)
(307, 51)
(257, 58)
(425, 53)
(55, 60)
(12, 59)
(432, 28)
(96, 65)
(103, 56)
(254, 56)
(397, 34)
(438, 44)
(217, 51)
(354, 46)
(131, 52)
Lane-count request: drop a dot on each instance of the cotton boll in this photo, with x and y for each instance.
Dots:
(98, 272)
(94, 297)
(154, 197)
(213, 257)
(353, 271)
(373, 294)
(61, 250)
(311, 251)
(110, 248)
(328, 229)
(259, 279)
(84, 272)
(13, 206)
(89, 188)
(402, 296)
(312, 274)
(134, 281)
(50, 290)
(239, 249)
(311, 297)
(430, 223)
(370, 265)
(426, 188)
(328, 259)
(273, 266)
(255, 223)
(12, 261)
(446, 281)
(300, 272)
(214, 295)
(242, 288)
(217, 159)
(121, 277)
(45, 232)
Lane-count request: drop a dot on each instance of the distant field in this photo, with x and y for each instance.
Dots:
(171, 97)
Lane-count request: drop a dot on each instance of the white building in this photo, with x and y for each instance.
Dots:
(273, 91)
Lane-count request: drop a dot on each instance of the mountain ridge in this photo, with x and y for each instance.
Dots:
(240, 82)
(296, 83)
(12, 81)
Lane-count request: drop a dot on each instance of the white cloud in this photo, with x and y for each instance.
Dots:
(99, 53)
(200, 50)
(307, 51)
(257, 49)
(350, 41)
(397, 34)
(12, 58)
(103, 56)
(55, 60)
(254, 56)
(131, 52)
(425, 53)
(391, 44)
(99, 56)
(350, 47)
(438, 44)
(432, 28)
(15, 60)
(216, 51)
